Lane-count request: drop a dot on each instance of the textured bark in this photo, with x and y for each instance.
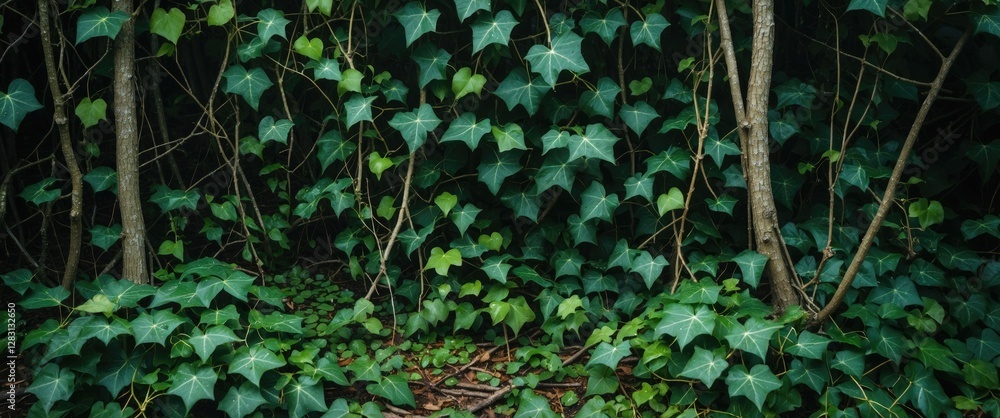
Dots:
(127, 151)
(754, 137)
(66, 144)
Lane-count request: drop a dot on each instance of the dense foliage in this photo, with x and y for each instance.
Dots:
(343, 198)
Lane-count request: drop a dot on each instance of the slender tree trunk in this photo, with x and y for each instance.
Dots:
(127, 151)
(754, 136)
(66, 143)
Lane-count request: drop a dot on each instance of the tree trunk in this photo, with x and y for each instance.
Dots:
(127, 151)
(66, 143)
(754, 138)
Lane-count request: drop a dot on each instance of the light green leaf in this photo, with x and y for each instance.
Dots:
(487, 30)
(446, 201)
(169, 25)
(465, 128)
(754, 385)
(564, 55)
(520, 313)
(927, 212)
(98, 304)
(325, 6)
(705, 365)
(271, 22)
(516, 89)
(193, 385)
(350, 80)
(685, 322)
(648, 31)
(441, 261)
(672, 200)
(91, 112)
(416, 20)
(252, 362)
(220, 14)
(414, 125)
(394, 388)
(249, 85)
(509, 136)
(17, 102)
(464, 82)
(312, 48)
(607, 27)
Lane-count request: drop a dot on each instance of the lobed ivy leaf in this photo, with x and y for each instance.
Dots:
(395, 388)
(466, 8)
(276, 322)
(606, 27)
(465, 216)
(305, 395)
(674, 160)
(602, 380)
(754, 384)
(169, 25)
(488, 30)
(564, 55)
(415, 125)
(609, 355)
(987, 23)
(441, 261)
(332, 147)
(193, 384)
(248, 84)
(496, 166)
(597, 142)
(639, 185)
(102, 178)
(705, 365)
(596, 203)
(751, 265)
(519, 89)
(242, 401)
(509, 137)
(273, 130)
(205, 343)
(530, 405)
(986, 156)
(753, 336)
(648, 30)
(497, 268)
(887, 341)
(875, 7)
(649, 267)
(52, 384)
(155, 327)
(252, 362)
(416, 20)
(44, 298)
(358, 109)
(271, 22)
(601, 101)
(685, 322)
(465, 82)
(466, 129)
(638, 117)
(17, 102)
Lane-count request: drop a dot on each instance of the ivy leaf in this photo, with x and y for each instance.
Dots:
(639, 185)
(718, 149)
(252, 362)
(271, 22)
(433, 63)
(496, 166)
(441, 261)
(875, 7)
(169, 25)
(242, 401)
(554, 139)
(104, 237)
(332, 147)
(885, 340)
(564, 55)
(358, 109)
(557, 170)
(752, 337)
(271, 130)
(247, 84)
(723, 204)
(596, 142)
(509, 137)
(638, 117)
(705, 365)
(415, 125)
(516, 89)
(325, 6)
(809, 345)
(312, 48)
(972, 228)
(988, 23)
(670, 201)
(52, 385)
(222, 13)
(602, 380)
(156, 327)
(394, 388)
(205, 343)
(648, 267)
(464, 82)
(602, 100)
(91, 112)
(193, 385)
(648, 31)
(596, 203)
(986, 156)
(685, 322)
(350, 80)
(531, 405)
(496, 268)
(416, 20)
(794, 92)
(395, 91)
(488, 30)
(305, 395)
(752, 266)
(674, 160)
(754, 385)
(466, 8)
(446, 201)
(607, 27)
(936, 356)
(99, 21)
(465, 128)
(102, 178)
(609, 355)
(464, 216)
(39, 193)
(17, 102)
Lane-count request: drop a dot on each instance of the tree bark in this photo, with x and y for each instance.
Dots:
(754, 137)
(127, 151)
(66, 144)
